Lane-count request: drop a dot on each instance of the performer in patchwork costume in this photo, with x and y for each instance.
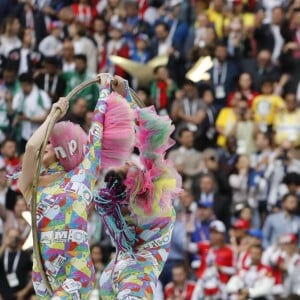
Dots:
(136, 207)
(72, 163)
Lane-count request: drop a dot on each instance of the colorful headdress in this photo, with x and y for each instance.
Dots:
(69, 141)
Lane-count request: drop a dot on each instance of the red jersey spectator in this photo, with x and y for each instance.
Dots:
(217, 263)
(180, 287)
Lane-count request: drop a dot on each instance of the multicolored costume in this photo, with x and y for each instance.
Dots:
(142, 238)
(62, 218)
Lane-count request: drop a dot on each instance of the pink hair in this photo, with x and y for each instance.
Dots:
(69, 141)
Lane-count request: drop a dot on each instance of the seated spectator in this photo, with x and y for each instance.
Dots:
(100, 37)
(227, 119)
(31, 106)
(229, 156)
(210, 194)
(223, 74)
(285, 221)
(266, 106)
(14, 219)
(84, 12)
(163, 45)
(162, 90)
(238, 42)
(244, 123)
(206, 135)
(253, 282)
(291, 184)
(261, 68)
(116, 46)
(140, 53)
(203, 218)
(84, 45)
(25, 58)
(268, 36)
(9, 39)
(187, 168)
(50, 80)
(180, 287)
(52, 45)
(284, 162)
(15, 268)
(238, 233)
(133, 22)
(245, 88)
(217, 264)
(189, 111)
(215, 15)
(77, 113)
(286, 123)
(80, 74)
(8, 152)
(98, 262)
(68, 60)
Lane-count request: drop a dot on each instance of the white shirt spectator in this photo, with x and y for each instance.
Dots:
(50, 46)
(36, 104)
(85, 46)
(9, 43)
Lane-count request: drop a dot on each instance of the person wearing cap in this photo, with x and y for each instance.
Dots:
(254, 282)
(71, 166)
(217, 264)
(239, 232)
(52, 45)
(140, 53)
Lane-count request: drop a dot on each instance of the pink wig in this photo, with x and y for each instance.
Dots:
(69, 141)
(118, 133)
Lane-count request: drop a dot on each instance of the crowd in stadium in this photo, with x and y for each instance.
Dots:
(236, 234)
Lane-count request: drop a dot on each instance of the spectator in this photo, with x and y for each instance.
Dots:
(9, 39)
(97, 259)
(286, 123)
(100, 37)
(14, 219)
(116, 46)
(78, 112)
(15, 268)
(84, 12)
(245, 88)
(215, 15)
(268, 36)
(180, 287)
(80, 74)
(25, 58)
(162, 89)
(51, 45)
(261, 69)
(266, 106)
(282, 222)
(68, 61)
(84, 45)
(223, 74)
(258, 285)
(217, 264)
(187, 168)
(209, 194)
(31, 106)
(189, 111)
(51, 81)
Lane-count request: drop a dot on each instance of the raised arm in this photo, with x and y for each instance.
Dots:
(33, 145)
(152, 189)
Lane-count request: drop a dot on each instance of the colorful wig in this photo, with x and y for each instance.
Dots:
(69, 142)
